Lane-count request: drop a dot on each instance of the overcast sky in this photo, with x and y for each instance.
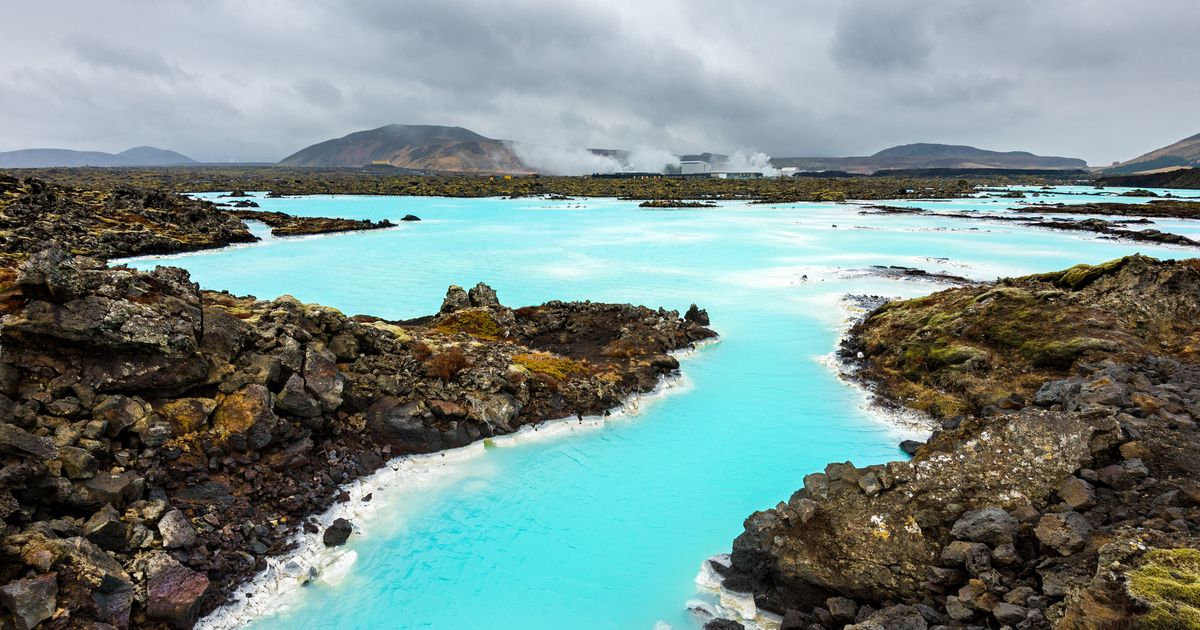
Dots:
(1097, 79)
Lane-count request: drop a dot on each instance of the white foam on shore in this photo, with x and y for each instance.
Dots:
(278, 587)
(718, 601)
(907, 423)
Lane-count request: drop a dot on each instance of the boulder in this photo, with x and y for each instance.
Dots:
(77, 463)
(119, 412)
(31, 601)
(294, 399)
(322, 378)
(990, 525)
(176, 531)
(1065, 532)
(910, 447)
(410, 217)
(696, 315)
(247, 412)
(17, 441)
(116, 489)
(401, 425)
(106, 529)
(860, 546)
(173, 591)
(187, 415)
(337, 533)
(1009, 614)
(456, 299)
(1077, 493)
(482, 296)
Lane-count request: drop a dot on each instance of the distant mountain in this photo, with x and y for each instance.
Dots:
(930, 156)
(153, 156)
(426, 147)
(137, 156)
(1182, 154)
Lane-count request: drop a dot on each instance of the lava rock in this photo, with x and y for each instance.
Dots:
(247, 412)
(176, 531)
(337, 533)
(990, 525)
(17, 441)
(1077, 493)
(31, 601)
(174, 592)
(1065, 532)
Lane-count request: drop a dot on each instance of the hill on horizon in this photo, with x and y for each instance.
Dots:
(137, 156)
(424, 147)
(926, 155)
(1182, 154)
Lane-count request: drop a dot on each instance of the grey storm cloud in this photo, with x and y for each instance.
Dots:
(222, 80)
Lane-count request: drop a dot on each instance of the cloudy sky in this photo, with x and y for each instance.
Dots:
(234, 80)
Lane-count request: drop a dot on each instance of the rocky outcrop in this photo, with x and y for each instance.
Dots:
(109, 223)
(159, 442)
(1036, 513)
(283, 224)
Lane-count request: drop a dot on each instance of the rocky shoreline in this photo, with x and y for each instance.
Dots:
(161, 443)
(1061, 494)
(283, 224)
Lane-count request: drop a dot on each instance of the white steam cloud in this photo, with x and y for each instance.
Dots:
(571, 161)
(750, 162)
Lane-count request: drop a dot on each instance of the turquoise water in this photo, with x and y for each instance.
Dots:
(607, 528)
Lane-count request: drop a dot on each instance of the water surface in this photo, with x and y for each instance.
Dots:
(607, 528)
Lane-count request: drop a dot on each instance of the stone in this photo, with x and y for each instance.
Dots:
(187, 415)
(410, 217)
(294, 399)
(990, 525)
(322, 378)
(1077, 494)
(723, 624)
(176, 531)
(893, 618)
(1009, 614)
(843, 609)
(106, 529)
(870, 484)
(696, 315)
(1005, 555)
(1065, 532)
(482, 296)
(117, 489)
(456, 299)
(17, 441)
(337, 533)
(957, 610)
(173, 592)
(77, 463)
(119, 412)
(910, 447)
(401, 425)
(31, 601)
(247, 412)
(961, 552)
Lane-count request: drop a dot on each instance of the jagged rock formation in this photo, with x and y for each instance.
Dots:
(1038, 512)
(159, 442)
(109, 223)
(283, 224)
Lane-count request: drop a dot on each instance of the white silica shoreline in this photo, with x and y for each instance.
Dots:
(278, 587)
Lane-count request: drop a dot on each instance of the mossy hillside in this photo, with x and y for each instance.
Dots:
(1168, 581)
(963, 349)
(553, 365)
(474, 322)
